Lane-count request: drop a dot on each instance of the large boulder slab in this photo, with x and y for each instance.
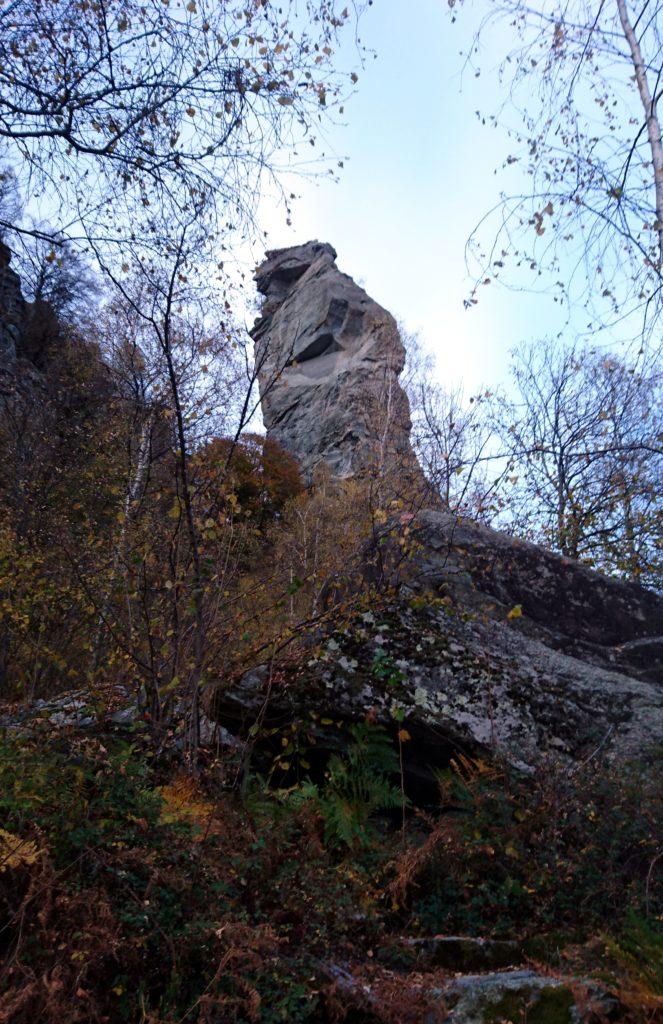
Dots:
(568, 607)
(525, 995)
(500, 997)
(479, 644)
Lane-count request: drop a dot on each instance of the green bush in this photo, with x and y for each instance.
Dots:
(359, 783)
(519, 855)
(143, 905)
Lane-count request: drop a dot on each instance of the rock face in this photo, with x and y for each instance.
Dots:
(556, 601)
(447, 660)
(481, 645)
(522, 651)
(480, 642)
(12, 311)
(500, 997)
(329, 358)
(526, 995)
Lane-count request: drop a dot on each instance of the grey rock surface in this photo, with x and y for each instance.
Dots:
(525, 995)
(329, 358)
(12, 311)
(76, 711)
(485, 642)
(499, 997)
(568, 607)
(484, 645)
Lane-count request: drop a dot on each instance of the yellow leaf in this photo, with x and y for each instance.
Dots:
(515, 612)
(16, 852)
(184, 803)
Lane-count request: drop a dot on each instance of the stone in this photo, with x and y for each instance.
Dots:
(500, 692)
(611, 623)
(328, 360)
(75, 711)
(525, 995)
(499, 997)
(480, 643)
(563, 678)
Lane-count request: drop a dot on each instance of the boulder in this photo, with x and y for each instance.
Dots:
(499, 997)
(480, 644)
(460, 681)
(525, 995)
(569, 607)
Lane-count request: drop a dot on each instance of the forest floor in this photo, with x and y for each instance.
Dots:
(134, 890)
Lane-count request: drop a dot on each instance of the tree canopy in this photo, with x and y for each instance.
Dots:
(119, 116)
(580, 88)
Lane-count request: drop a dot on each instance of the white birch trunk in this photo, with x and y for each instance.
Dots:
(649, 104)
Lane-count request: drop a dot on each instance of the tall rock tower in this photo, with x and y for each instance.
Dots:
(328, 360)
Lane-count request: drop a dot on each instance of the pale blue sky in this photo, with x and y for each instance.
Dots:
(420, 174)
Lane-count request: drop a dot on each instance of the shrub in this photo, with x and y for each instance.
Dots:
(569, 848)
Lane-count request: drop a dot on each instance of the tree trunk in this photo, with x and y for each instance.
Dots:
(649, 104)
(194, 543)
(135, 485)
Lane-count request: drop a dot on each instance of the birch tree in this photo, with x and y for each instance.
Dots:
(582, 88)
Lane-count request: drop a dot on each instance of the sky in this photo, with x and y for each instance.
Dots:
(419, 173)
(420, 170)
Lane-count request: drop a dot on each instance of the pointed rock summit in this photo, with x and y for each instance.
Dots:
(501, 645)
(329, 358)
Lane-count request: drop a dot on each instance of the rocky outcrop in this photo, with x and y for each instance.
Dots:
(479, 641)
(483, 644)
(497, 997)
(329, 358)
(12, 311)
(526, 995)
(610, 623)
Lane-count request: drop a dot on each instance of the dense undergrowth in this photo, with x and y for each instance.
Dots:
(130, 891)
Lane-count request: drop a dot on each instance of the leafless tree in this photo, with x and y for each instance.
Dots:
(122, 116)
(452, 438)
(583, 438)
(582, 86)
(57, 275)
(569, 455)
